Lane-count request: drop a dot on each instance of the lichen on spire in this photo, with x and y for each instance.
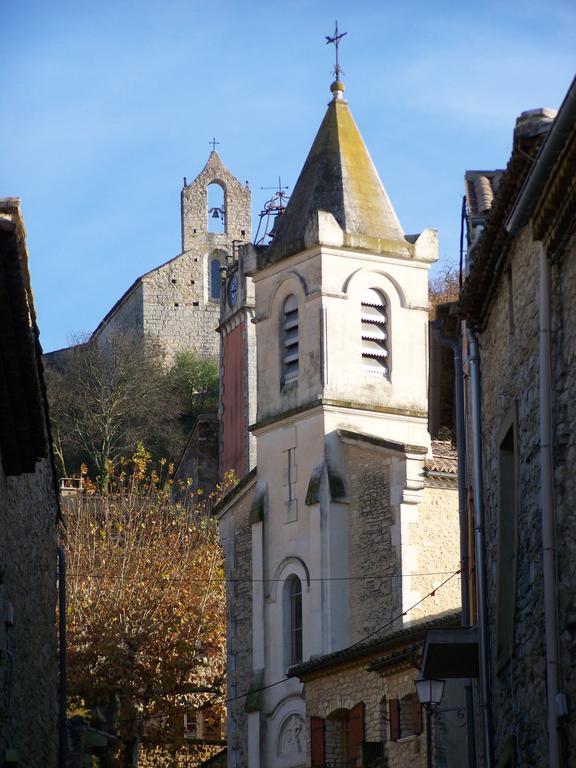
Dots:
(339, 178)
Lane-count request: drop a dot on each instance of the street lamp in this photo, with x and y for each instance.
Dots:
(429, 691)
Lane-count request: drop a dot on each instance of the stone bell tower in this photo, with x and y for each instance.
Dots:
(233, 213)
(341, 325)
(178, 303)
(215, 214)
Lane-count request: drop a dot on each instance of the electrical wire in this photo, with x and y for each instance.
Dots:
(230, 699)
(253, 581)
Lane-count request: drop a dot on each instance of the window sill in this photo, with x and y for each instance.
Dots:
(404, 739)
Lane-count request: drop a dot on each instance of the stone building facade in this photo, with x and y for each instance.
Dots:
(29, 515)
(333, 525)
(363, 701)
(517, 301)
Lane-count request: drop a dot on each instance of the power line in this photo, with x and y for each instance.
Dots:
(230, 699)
(253, 581)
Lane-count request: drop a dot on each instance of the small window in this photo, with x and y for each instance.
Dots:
(214, 279)
(290, 352)
(374, 333)
(293, 619)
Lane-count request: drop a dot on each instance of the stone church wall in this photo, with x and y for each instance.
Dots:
(28, 675)
(178, 304)
(178, 310)
(374, 562)
(430, 545)
(126, 319)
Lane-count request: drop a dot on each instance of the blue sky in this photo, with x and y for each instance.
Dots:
(107, 105)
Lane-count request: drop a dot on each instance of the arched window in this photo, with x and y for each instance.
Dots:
(216, 208)
(293, 620)
(214, 279)
(290, 340)
(374, 320)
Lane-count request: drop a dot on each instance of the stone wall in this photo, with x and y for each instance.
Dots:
(564, 415)
(236, 538)
(340, 689)
(28, 652)
(351, 684)
(375, 589)
(385, 550)
(435, 539)
(126, 317)
(178, 310)
(510, 370)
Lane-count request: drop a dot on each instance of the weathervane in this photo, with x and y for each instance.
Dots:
(279, 189)
(214, 142)
(336, 37)
(272, 209)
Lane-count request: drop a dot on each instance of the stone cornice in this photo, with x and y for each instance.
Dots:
(332, 404)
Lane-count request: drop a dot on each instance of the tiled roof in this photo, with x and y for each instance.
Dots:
(485, 256)
(481, 186)
(444, 457)
(380, 645)
(23, 427)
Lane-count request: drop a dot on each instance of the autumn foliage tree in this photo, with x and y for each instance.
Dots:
(444, 287)
(146, 596)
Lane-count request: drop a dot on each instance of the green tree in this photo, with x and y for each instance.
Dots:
(195, 383)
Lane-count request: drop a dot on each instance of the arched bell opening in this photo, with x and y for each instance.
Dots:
(216, 209)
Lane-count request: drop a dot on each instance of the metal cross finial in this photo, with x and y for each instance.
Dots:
(279, 189)
(213, 142)
(336, 37)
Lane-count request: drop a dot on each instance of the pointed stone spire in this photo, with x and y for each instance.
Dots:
(339, 178)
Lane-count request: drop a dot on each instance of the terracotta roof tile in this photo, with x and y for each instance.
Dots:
(444, 457)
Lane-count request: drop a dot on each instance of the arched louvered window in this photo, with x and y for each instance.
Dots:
(375, 358)
(290, 340)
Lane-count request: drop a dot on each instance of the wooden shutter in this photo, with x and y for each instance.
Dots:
(317, 741)
(416, 714)
(355, 731)
(394, 709)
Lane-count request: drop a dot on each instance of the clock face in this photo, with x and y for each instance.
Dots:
(232, 290)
